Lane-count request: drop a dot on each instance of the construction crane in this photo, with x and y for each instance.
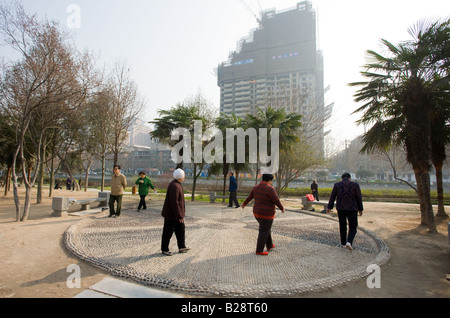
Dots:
(251, 10)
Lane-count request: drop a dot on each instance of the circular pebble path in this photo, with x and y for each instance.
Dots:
(222, 262)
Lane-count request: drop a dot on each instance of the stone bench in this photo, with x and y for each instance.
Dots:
(213, 196)
(308, 205)
(62, 205)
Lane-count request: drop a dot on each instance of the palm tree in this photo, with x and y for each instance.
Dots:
(181, 116)
(224, 122)
(401, 97)
(437, 39)
(288, 123)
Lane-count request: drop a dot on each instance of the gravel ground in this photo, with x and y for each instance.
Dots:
(222, 261)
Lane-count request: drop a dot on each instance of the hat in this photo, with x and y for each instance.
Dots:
(178, 174)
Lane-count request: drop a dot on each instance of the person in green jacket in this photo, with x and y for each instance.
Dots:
(144, 183)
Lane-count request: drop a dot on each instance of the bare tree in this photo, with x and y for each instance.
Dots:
(393, 156)
(296, 160)
(102, 128)
(44, 80)
(126, 105)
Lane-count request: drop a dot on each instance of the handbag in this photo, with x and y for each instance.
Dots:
(310, 197)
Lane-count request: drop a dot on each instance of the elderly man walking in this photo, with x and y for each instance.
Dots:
(174, 214)
(266, 199)
(348, 204)
(118, 185)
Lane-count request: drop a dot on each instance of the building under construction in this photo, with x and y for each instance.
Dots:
(278, 65)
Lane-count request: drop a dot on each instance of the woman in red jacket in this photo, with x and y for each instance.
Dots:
(266, 199)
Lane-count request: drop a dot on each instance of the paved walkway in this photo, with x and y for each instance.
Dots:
(118, 288)
(222, 262)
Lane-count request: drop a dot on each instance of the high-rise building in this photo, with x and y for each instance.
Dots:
(278, 65)
(139, 134)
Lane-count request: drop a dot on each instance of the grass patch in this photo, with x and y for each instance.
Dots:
(379, 195)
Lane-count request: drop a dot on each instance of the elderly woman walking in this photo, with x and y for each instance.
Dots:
(266, 199)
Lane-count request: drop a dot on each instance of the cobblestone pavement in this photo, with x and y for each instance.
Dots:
(222, 262)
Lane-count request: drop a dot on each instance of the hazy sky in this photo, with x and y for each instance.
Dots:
(173, 46)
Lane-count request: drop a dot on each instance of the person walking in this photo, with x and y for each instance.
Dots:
(174, 213)
(69, 183)
(266, 199)
(118, 185)
(144, 184)
(233, 188)
(315, 189)
(348, 204)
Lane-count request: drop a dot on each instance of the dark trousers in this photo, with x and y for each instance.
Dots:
(352, 217)
(316, 195)
(171, 226)
(233, 199)
(142, 203)
(264, 235)
(112, 199)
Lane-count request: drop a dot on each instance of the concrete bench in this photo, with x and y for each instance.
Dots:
(308, 205)
(213, 196)
(62, 205)
(86, 203)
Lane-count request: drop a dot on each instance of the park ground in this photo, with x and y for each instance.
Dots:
(34, 260)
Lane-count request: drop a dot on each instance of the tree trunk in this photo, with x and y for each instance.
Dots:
(86, 179)
(40, 187)
(7, 180)
(116, 156)
(426, 208)
(14, 180)
(225, 170)
(103, 172)
(27, 203)
(194, 183)
(16, 194)
(40, 183)
(440, 192)
(224, 188)
(52, 177)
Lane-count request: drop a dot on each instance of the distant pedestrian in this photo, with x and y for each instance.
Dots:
(144, 183)
(266, 199)
(58, 185)
(69, 183)
(233, 188)
(118, 185)
(174, 213)
(348, 204)
(315, 189)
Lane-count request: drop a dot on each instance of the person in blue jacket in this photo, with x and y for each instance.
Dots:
(233, 188)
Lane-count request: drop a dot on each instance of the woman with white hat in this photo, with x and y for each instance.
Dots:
(174, 214)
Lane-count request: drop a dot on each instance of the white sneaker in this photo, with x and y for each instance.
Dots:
(349, 246)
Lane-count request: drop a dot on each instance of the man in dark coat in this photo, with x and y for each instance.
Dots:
(174, 214)
(233, 188)
(348, 204)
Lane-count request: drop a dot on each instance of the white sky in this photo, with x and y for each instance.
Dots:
(173, 46)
